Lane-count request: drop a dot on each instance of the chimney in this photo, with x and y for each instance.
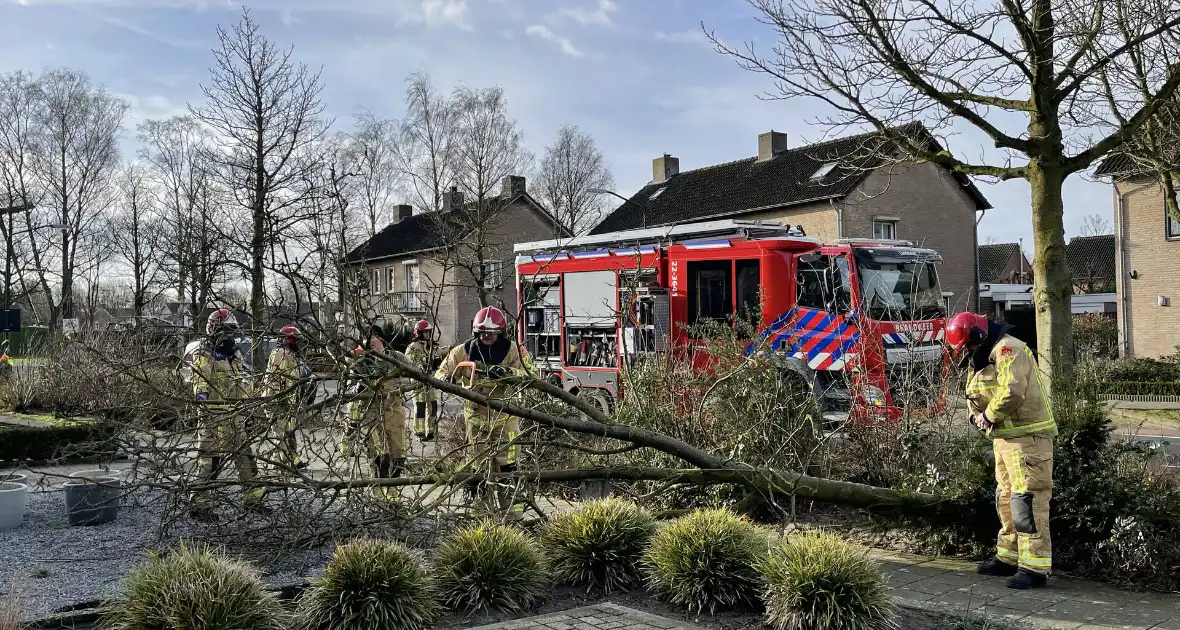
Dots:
(511, 186)
(404, 212)
(771, 144)
(452, 199)
(663, 168)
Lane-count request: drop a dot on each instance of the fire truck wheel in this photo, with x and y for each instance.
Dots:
(600, 399)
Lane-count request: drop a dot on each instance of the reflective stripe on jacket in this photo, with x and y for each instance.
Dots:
(220, 378)
(282, 373)
(1011, 393)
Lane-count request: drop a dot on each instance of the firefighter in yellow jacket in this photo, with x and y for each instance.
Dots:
(377, 416)
(423, 353)
(491, 434)
(286, 380)
(1007, 399)
(218, 383)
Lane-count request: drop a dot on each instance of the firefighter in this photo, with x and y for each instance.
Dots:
(286, 379)
(423, 353)
(377, 418)
(1007, 400)
(218, 383)
(490, 434)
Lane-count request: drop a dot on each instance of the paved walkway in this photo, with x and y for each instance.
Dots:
(599, 617)
(952, 586)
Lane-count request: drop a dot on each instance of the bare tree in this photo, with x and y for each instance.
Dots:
(264, 110)
(373, 159)
(19, 185)
(427, 142)
(78, 128)
(136, 236)
(571, 167)
(177, 151)
(1096, 225)
(883, 63)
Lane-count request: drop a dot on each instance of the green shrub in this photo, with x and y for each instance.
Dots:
(1096, 335)
(707, 561)
(819, 580)
(372, 584)
(62, 440)
(491, 566)
(195, 590)
(599, 545)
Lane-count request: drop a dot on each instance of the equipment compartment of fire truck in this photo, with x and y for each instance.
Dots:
(860, 321)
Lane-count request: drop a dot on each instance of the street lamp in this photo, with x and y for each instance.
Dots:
(603, 191)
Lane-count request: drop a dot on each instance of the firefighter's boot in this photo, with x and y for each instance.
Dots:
(1025, 580)
(506, 495)
(996, 567)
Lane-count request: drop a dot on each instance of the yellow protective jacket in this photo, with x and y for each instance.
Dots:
(505, 352)
(219, 378)
(1010, 392)
(282, 373)
(423, 354)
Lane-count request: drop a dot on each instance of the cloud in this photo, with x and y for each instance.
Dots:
(445, 13)
(600, 15)
(567, 47)
(691, 36)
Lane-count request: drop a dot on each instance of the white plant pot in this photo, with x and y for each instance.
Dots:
(12, 504)
(96, 474)
(14, 478)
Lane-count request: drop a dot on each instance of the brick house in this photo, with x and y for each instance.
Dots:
(1147, 261)
(843, 188)
(419, 266)
(1005, 280)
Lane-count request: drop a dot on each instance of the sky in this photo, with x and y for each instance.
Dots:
(638, 75)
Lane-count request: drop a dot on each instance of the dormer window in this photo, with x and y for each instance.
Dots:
(823, 171)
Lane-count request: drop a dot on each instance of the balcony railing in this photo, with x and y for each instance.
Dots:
(401, 302)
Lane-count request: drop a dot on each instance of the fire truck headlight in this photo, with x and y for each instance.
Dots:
(873, 395)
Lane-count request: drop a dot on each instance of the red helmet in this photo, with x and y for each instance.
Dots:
(290, 334)
(489, 319)
(422, 328)
(219, 319)
(965, 328)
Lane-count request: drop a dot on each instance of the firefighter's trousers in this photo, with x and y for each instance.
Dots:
(285, 420)
(223, 437)
(379, 423)
(1024, 485)
(492, 449)
(426, 418)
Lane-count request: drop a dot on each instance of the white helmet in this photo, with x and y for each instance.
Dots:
(221, 319)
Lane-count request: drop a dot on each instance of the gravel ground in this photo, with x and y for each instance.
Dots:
(52, 565)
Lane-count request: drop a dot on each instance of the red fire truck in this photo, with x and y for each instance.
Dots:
(860, 322)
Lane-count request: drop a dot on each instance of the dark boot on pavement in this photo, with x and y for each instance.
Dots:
(996, 567)
(1025, 580)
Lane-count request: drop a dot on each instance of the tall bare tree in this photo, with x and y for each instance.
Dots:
(373, 161)
(427, 142)
(264, 109)
(19, 184)
(571, 167)
(1095, 225)
(78, 127)
(136, 236)
(1028, 75)
(177, 153)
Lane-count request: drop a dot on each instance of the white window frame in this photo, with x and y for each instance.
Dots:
(1169, 233)
(492, 274)
(374, 281)
(892, 228)
(389, 275)
(413, 276)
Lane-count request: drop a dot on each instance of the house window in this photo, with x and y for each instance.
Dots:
(884, 230)
(492, 274)
(1171, 225)
(412, 278)
(823, 171)
(389, 279)
(374, 281)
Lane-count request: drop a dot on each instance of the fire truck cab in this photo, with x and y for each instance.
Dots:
(861, 322)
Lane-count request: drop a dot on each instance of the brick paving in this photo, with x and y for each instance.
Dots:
(599, 617)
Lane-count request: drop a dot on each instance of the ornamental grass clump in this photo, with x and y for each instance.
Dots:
(818, 580)
(491, 566)
(707, 561)
(599, 545)
(196, 589)
(372, 584)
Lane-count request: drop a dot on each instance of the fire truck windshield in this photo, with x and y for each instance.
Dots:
(898, 288)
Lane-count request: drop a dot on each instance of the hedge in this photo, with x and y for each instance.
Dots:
(1141, 388)
(73, 440)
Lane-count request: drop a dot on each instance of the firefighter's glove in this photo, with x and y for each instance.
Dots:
(498, 371)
